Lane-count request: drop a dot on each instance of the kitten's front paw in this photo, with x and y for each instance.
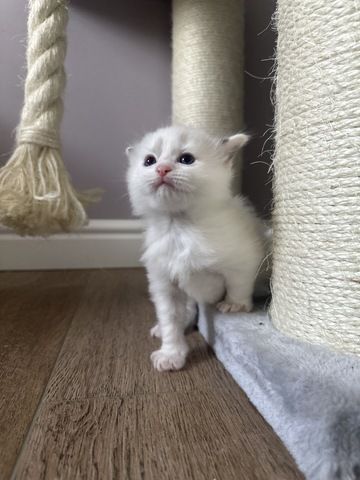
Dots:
(169, 360)
(155, 331)
(226, 307)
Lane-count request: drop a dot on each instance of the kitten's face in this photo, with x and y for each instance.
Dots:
(174, 167)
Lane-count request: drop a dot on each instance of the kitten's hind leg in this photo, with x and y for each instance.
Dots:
(205, 286)
(239, 289)
(170, 305)
(190, 319)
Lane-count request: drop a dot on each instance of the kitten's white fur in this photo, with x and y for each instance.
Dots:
(202, 243)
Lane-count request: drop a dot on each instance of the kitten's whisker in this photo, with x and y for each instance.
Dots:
(260, 161)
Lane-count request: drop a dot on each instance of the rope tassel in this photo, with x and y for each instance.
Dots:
(36, 195)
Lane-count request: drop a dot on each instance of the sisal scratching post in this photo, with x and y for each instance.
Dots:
(207, 66)
(36, 196)
(316, 219)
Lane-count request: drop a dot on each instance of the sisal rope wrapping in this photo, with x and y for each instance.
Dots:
(207, 67)
(316, 218)
(36, 196)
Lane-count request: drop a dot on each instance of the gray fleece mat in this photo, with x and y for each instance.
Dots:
(309, 394)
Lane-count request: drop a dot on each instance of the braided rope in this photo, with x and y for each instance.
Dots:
(316, 218)
(45, 81)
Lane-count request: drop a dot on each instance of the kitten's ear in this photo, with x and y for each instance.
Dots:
(231, 145)
(129, 151)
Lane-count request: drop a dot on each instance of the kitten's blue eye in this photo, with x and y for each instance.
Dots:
(149, 160)
(186, 159)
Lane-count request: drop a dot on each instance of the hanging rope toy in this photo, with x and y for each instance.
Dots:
(36, 195)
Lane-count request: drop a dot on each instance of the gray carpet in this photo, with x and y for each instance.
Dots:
(309, 394)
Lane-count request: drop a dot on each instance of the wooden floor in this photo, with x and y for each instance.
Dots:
(80, 400)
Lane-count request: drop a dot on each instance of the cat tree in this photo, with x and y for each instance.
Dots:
(316, 218)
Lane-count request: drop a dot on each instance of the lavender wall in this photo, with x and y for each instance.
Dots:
(118, 87)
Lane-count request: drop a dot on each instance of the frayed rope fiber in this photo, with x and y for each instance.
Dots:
(316, 218)
(36, 195)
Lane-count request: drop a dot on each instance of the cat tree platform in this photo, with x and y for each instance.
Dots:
(309, 394)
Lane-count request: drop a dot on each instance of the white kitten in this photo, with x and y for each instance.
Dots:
(202, 243)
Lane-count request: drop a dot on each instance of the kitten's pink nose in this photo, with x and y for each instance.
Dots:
(163, 170)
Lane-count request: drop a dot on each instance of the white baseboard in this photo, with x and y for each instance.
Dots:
(101, 244)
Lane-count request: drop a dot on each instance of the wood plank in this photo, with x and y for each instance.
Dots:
(106, 414)
(35, 312)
